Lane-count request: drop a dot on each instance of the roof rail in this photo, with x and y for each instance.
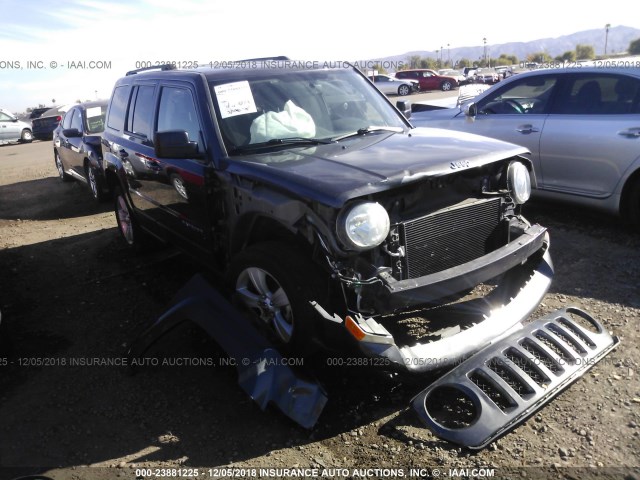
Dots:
(163, 67)
(264, 59)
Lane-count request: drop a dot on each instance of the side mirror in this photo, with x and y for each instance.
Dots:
(471, 109)
(71, 132)
(175, 144)
(404, 107)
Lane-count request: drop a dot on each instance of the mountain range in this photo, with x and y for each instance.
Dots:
(618, 41)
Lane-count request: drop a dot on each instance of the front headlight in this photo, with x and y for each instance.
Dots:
(519, 182)
(363, 226)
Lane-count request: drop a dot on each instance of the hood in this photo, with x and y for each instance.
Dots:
(334, 173)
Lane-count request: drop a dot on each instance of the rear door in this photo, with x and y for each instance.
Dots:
(592, 136)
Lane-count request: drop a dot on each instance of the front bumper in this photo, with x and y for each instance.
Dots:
(520, 291)
(401, 294)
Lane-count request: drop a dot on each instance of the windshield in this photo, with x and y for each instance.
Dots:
(296, 107)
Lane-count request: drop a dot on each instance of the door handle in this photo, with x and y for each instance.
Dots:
(630, 132)
(527, 129)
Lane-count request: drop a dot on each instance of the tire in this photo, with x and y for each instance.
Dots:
(26, 136)
(273, 270)
(128, 226)
(446, 86)
(404, 90)
(61, 173)
(96, 183)
(632, 207)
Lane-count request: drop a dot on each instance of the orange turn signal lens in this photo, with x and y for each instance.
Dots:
(353, 328)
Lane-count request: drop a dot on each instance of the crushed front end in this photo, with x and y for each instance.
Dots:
(447, 233)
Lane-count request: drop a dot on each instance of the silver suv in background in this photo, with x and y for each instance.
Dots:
(12, 129)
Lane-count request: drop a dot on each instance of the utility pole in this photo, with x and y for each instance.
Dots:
(485, 49)
(606, 37)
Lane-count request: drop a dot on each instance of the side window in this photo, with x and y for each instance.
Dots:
(600, 94)
(118, 107)
(4, 117)
(527, 96)
(141, 115)
(76, 119)
(66, 123)
(177, 111)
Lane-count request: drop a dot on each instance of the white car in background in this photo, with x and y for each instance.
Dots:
(394, 86)
(12, 129)
(449, 72)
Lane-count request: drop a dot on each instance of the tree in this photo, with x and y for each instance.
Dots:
(505, 59)
(428, 63)
(568, 56)
(585, 52)
(414, 60)
(634, 47)
(463, 62)
(539, 57)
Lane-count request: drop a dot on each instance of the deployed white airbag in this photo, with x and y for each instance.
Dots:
(293, 121)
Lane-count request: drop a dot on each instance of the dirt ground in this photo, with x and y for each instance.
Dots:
(70, 289)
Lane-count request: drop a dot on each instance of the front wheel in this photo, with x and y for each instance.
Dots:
(96, 183)
(61, 173)
(403, 90)
(446, 86)
(275, 283)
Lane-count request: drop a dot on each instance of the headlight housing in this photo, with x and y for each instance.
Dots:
(363, 226)
(519, 182)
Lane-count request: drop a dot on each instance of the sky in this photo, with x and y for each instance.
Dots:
(76, 49)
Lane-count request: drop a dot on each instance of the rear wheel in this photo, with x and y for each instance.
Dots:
(276, 283)
(128, 226)
(26, 136)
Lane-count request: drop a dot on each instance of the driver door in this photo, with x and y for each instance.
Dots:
(516, 113)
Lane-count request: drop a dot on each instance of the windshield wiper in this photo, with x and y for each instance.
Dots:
(369, 129)
(282, 141)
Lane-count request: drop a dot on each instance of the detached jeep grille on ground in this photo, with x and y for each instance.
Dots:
(451, 237)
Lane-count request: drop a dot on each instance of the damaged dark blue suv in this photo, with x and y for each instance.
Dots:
(330, 215)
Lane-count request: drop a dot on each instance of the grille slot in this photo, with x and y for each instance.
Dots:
(576, 331)
(449, 238)
(562, 335)
(498, 365)
(527, 366)
(555, 346)
(541, 356)
(491, 390)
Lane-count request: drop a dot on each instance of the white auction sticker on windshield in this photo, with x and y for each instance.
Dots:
(94, 112)
(235, 99)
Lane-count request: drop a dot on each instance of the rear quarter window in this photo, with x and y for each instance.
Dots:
(118, 107)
